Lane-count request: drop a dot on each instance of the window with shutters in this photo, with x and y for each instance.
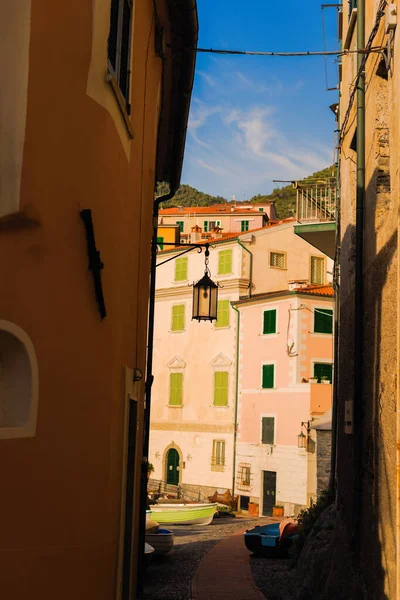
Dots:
(244, 226)
(323, 370)
(218, 455)
(181, 225)
(175, 389)
(268, 430)
(119, 45)
(209, 225)
(269, 321)
(352, 5)
(181, 269)
(222, 314)
(225, 262)
(221, 388)
(160, 243)
(277, 260)
(323, 320)
(178, 317)
(317, 269)
(268, 372)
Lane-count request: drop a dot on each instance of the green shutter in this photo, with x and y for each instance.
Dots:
(269, 321)
(268, 430)
(222, 314)
(225, 262)
(178, 317)
(244, 225)
(323, 320)
(205, 226)
(268, 376)
(221, 388)
(175, 389)
(181, 225)
(218, 455)
(323, 370)
(160, 243)
(181, 269)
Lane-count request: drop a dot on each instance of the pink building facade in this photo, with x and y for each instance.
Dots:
(285, 339)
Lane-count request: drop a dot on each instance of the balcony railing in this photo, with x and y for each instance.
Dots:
(316, 200)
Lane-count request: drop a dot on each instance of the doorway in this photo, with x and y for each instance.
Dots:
(173, 467)
(269, 492)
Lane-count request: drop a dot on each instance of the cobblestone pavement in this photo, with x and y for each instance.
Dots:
(169, 577)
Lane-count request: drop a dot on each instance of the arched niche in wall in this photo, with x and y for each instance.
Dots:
(19, 381)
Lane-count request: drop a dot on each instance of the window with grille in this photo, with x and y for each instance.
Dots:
(268, 376)
(323, 370)
(269, 321)
(222, 314)
(175, 389)
(221, 388)
(277, 260)
(218, 453)
(178, 317)
(119, 45)
(181, 269)
(181, 225)
(225, 262)
(268, 430)
(317, 269)
(244, 474)
(244, 226)
(323, 320)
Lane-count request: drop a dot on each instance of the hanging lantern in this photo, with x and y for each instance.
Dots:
(205, 296)
(301, 440)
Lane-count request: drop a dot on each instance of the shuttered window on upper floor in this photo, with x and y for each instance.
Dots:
(268, 376)
(181, 265)
(178, 317)
(269, 321)
(323, 320)
(222, 314)
(317, 269)
(221, 388)
(175, 389)
(119, 45)
(268, 430)
(225, 262)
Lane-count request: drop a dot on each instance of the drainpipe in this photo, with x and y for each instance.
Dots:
(251, 268)
(236, 398)
(359, 284)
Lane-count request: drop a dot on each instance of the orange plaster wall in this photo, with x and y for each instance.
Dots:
(60, 492)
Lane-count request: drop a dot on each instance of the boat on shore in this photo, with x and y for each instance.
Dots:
(184, 514)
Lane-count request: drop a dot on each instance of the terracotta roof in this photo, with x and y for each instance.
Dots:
(215, 209)
(311, 290)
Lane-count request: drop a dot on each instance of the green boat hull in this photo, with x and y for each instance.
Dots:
(183, 514)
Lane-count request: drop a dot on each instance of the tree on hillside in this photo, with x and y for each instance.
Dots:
(188, 196)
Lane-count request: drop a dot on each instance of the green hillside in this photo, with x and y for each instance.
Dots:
(284, 198)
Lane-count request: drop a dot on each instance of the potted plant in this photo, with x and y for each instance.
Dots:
(150, 469)
(277, 510)
(313, 380)
(325, 379)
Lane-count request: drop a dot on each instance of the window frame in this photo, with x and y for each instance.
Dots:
(115, 71)
(317, 310)
(227, 312)
(244, 225)
(216, 372)
(171, 374)
(181, 225)
(281, 252)
(225, 252)
(179, 261)
(267, 416)
(218, 466)
(174, 306)
(322, 362)
(314, 256)
(265, 364)
(264, 310)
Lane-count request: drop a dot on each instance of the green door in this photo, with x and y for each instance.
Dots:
(173, 467)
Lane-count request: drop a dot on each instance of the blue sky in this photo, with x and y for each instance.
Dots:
(255, 119)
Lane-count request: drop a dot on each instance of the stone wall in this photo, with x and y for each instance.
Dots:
(324, 445)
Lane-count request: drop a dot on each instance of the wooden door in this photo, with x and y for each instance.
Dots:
(173, 467)
(269, 492)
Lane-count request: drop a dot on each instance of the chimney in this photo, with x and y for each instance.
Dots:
(195, 235)
(298, 284)
(216, 232)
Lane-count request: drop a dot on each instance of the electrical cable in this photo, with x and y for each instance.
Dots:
(287, 54)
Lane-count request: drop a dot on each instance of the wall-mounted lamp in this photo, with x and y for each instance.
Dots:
(303, 440)
(205, 296)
